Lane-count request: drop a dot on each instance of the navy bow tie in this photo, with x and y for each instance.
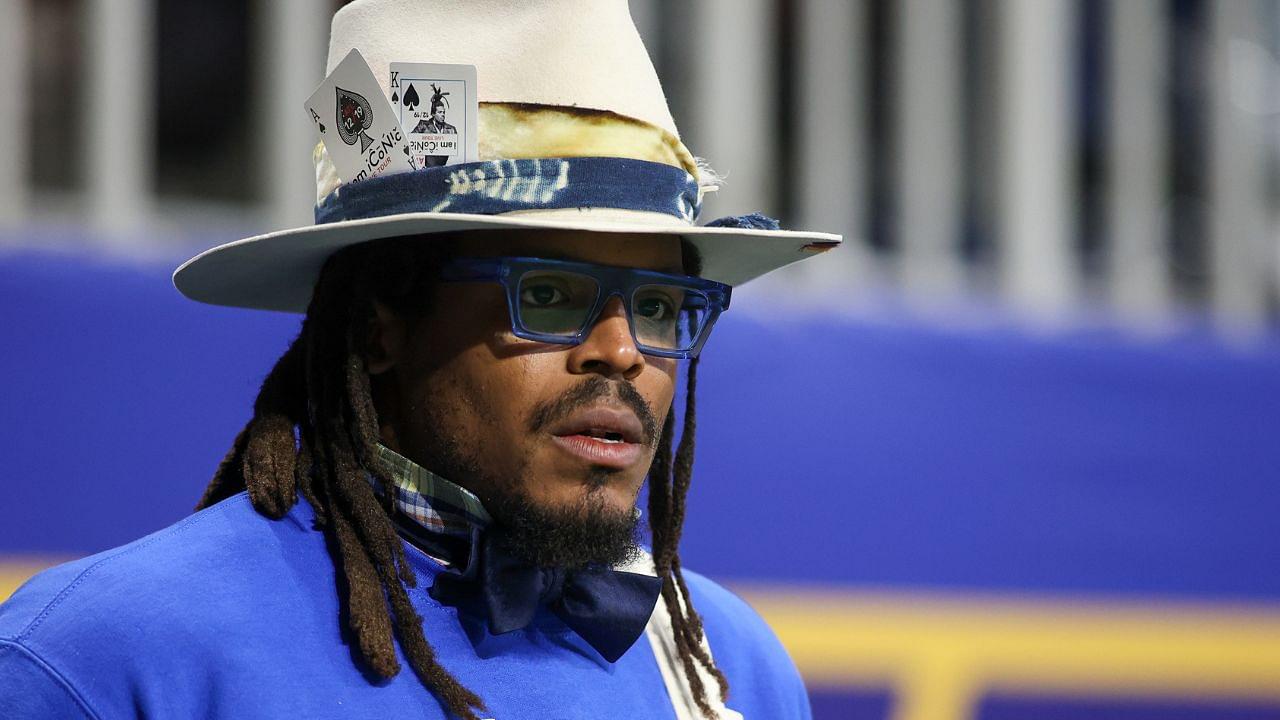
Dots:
(608, 608)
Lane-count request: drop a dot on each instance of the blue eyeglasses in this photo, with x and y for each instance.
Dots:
(556, 301)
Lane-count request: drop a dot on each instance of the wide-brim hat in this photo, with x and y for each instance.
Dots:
(574, 133)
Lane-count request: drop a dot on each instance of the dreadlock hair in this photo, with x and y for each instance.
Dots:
(668, 488)
(314, 431)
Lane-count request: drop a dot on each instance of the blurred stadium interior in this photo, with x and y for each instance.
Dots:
(1009, 453)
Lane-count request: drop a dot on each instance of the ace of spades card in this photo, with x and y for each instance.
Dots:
(357, 125)
(438, 110)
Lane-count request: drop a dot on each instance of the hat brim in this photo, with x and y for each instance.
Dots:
(278, 270)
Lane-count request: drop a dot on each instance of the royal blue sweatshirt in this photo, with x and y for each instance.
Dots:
(227, 614)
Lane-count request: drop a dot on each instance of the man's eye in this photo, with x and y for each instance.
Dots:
(654, 308)
(542, 295)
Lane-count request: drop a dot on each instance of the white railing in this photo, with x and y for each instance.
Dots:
(118, 121)
(1240, 242)
(13, 84)
(1138, 282)
(726, 91)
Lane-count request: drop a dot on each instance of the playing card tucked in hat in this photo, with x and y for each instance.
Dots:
(573, 132)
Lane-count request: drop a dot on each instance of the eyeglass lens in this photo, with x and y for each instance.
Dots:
(558, 303)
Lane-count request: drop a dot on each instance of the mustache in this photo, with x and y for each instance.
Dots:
(589, 392)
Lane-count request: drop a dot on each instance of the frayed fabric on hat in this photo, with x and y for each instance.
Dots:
(494, 187)
(750, 221)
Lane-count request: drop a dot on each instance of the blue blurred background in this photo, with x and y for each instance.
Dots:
(1008, 454)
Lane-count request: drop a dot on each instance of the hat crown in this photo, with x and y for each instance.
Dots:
(571, 53)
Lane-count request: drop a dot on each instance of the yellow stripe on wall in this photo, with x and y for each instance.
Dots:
(941, 653)
(16, 570)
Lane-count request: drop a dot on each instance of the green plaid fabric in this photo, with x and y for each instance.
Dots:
(434, 504)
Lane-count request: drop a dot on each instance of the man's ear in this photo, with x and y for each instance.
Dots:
(385, 345)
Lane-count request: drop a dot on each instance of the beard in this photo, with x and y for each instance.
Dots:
(588, 532)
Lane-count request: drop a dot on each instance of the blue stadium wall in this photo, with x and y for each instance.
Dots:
(940, 524)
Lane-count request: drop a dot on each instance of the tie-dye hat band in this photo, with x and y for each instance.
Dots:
(497, 187)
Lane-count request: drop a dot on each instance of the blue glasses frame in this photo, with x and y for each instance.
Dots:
(611, 282)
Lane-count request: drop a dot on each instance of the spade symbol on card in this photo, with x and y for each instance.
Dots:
(355, 115)
(411, 99)
(395, 96)
(315, 118)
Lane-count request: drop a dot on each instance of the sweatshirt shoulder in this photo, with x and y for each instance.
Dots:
(763, 680)
(725, 610)
(149, 623)
(128, 579)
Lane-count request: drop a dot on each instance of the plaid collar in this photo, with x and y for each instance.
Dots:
(441, 518)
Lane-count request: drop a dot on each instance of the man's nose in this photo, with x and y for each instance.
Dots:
(608, 348)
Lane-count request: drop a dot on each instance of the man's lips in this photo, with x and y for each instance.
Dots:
(602, 435)
(602, 422)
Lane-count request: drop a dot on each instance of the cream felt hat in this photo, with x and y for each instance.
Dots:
(573, 133)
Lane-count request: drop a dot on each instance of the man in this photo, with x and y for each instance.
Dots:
(436, 123)
(441, 471)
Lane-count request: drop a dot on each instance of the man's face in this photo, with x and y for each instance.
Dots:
(438, 113)
(458, 393)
